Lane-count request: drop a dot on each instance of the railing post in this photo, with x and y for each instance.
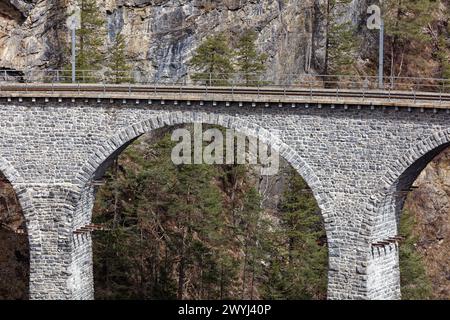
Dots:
(310, 90)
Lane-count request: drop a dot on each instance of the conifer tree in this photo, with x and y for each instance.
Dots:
(198, 232)
(212, 60)
(90, 39)
(118, 68)
(443, 48)
(443, 55)
(414, 283)
(341, 41)
(250, 63)
(342, 48)
(405, 22)
(299, 270)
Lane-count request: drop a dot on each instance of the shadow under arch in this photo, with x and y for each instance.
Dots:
(400, 177)
(108, 149)
(24, 199)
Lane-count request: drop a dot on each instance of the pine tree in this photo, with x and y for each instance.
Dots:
(342, 49)
(443, 48)
(199, 232)
(250, 63)
(298, 270)
(341, 42)
(118, 68)
(90, 39)
(414, 283)
(212, 60)
(405, 22)
(443, 56)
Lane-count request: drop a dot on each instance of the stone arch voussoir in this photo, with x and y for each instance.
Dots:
(104, 149)
(385, 198)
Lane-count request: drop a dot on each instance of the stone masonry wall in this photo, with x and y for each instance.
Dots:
(351, 158)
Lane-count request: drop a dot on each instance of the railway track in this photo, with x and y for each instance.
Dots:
(241, 91)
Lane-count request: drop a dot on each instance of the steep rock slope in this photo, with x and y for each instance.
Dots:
(162, 34)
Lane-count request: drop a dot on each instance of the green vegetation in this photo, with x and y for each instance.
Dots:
(342, 49)
(341, 41)
(90, 40)
(199, 232)
(250, 63)
(213, 60)
(417, 38)
(119, 71)
(216, 62)
(415, 285)
(298, 270)
(443, 55)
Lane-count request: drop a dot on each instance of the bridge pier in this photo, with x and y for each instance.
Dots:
(60, 262)
(358, 270)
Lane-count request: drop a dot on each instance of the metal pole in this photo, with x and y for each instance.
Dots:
(73, 53)
(381, 55)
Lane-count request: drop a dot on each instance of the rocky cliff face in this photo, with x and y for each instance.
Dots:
(31, 34)
(162, 34)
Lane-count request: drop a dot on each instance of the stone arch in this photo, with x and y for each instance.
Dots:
(28, 211)
(23, 196)
(383, 212)
(399, 176)
(111, 146)
(115, 144)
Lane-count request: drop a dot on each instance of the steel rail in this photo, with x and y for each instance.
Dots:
(268, 91)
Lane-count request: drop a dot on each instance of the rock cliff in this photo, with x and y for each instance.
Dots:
(162, 34)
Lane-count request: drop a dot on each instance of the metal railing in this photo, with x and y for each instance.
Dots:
(287, 81)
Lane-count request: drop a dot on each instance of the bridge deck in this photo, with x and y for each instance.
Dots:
(267, 95)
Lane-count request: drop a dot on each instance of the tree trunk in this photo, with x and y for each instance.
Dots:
(327, 43)
(181, 270)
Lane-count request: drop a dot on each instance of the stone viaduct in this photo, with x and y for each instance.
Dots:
(357, 157)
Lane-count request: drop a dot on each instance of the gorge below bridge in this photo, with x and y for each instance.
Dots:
(358, 152)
